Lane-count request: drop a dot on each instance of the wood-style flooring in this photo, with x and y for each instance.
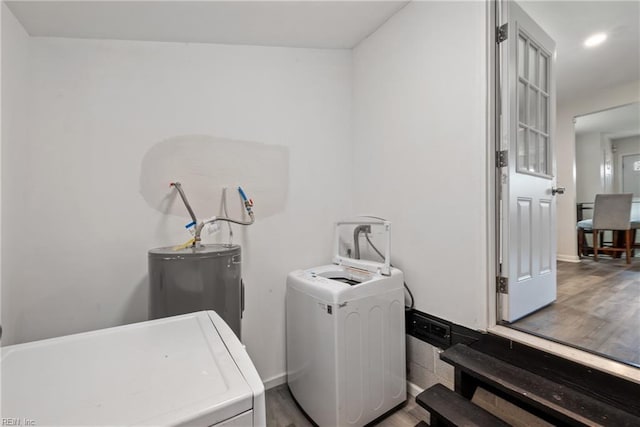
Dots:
(598, 309)
(282, 411)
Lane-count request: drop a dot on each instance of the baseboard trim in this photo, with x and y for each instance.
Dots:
(413, 390)
(275, 381)
(568, 258)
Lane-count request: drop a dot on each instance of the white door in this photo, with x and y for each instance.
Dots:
(527, 206)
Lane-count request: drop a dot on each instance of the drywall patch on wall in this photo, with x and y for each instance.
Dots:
(204, 165)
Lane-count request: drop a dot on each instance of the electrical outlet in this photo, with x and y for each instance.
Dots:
(430, 330)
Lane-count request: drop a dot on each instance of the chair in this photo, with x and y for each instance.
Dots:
(585, 227)
(613, 212)
(635, 226)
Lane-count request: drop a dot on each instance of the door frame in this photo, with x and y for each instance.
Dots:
(494, 10)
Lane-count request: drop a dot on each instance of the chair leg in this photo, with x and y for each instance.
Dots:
(596, 233)
(627, 246)
(581, 242)
(617, 241)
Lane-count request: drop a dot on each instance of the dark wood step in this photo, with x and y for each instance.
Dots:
(602, 386)
(448, 408)
(543, 397)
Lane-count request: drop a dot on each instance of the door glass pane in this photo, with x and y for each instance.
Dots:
(533, 108)
(522, 102)
(543, 73)
(542, 154)
(522, 49)
(533, 62)
(522, 149)
(532, 139)
(532, 155)
(544, 106)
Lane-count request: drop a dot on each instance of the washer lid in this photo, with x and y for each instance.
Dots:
(364, 243)
(168, 371)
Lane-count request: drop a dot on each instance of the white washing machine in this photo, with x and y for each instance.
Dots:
(177, 371)
(346, 339)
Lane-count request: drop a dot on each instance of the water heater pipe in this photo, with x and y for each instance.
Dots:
(184, 200)
(248, 204)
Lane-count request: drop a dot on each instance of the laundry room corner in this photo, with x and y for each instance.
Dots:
(72, 187)
(100, 127)
(14, 70)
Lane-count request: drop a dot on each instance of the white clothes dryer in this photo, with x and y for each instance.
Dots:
(346, 340)
(177, 371)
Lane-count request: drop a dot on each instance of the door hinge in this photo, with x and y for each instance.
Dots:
(502, 32)
(502, 159)
(503, 285)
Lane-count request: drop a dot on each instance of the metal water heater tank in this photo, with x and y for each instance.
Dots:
(194, 279)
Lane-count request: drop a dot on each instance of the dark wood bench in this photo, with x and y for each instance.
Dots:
(549, 400)
(448, 408)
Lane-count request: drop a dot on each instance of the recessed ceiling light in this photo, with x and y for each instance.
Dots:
(595, 40)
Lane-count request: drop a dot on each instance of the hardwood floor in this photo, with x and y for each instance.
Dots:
(282, 411)
(598, 309)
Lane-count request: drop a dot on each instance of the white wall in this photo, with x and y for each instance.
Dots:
(420, 151)
(14, 125)
(589, 166)
(565, 155)
(77, 219)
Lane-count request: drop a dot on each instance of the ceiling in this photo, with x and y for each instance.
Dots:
(341, 24)
(619, 122)
(581, 71)
(314, 24)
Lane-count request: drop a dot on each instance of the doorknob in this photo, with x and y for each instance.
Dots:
(557, 190)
